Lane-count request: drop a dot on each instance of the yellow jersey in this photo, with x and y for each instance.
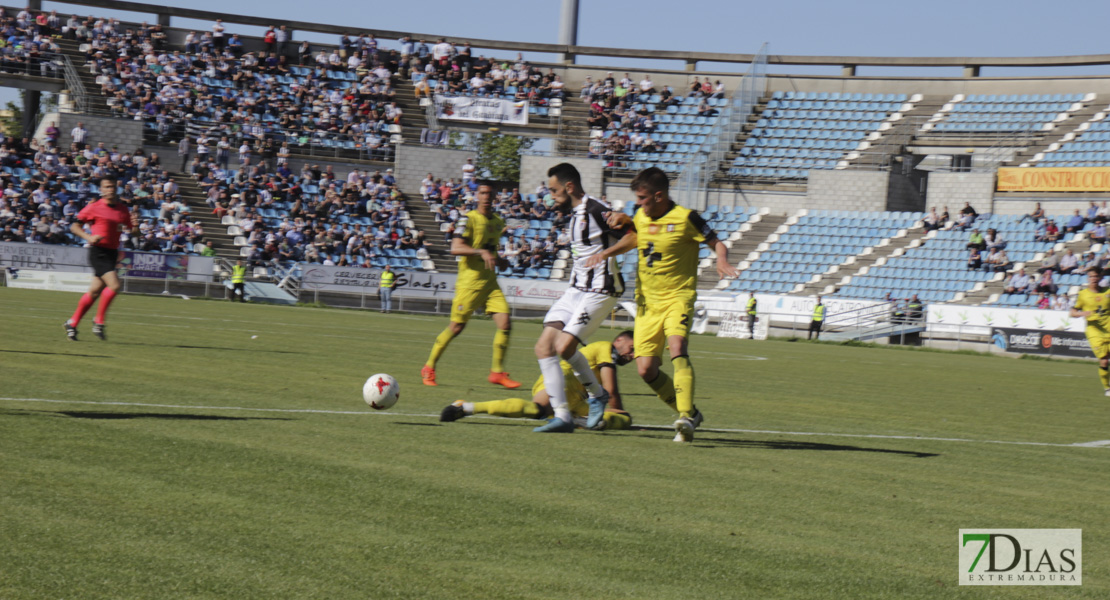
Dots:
(668, 249)
(481, 233)
(1099, 305)
(598, 354)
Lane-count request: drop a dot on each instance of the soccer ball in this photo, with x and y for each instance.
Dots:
(381, 391)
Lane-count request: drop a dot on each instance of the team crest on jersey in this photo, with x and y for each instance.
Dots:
(670, 228)
(653, 229)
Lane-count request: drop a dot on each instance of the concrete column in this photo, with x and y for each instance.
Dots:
(164, 20)
(848, 71)
(568, 28)
(971, 71)
(31, 100)
(691, 65)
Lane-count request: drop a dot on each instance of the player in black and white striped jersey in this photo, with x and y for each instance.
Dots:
(593, 292)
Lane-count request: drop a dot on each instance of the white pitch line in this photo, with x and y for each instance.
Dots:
(1100, 444)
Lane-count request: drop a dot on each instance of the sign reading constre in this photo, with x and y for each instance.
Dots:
(1053, 179)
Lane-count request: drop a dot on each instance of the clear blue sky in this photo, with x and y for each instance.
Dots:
(818, 27)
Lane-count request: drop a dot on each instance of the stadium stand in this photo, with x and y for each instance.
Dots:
(799, 131)
(360, 99)
(1001, 113)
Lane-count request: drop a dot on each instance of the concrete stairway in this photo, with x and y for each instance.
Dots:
(438, 250)
(1063, 132)
(574, 139)
(97, 104)
(894, 140)
(192, 195)
(744, 245)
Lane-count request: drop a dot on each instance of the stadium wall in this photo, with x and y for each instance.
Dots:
(533, 171)
(414, 162)
(953, 189)
(125, 133)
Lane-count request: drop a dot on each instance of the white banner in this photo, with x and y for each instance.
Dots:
(484, 110)
(59, 281)
(75, 259)
(735, 325)
(978, 320)
(518, 292)
(535, 292)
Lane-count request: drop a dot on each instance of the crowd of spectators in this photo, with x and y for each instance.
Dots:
(535, 231)
(314, 216)
(45, 187)
(342, 98)
(622, 114)
(27, 43)
(445, 68)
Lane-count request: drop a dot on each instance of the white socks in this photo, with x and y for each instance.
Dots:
(584, 374)
(556, 390)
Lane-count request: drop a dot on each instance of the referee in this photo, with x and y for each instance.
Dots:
(106, 217)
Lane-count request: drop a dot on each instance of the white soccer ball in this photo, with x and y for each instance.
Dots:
(381, 391)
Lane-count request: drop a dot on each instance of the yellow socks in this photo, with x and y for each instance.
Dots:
(683, 384)
(1104, 377)
(663, 387)
(517, 408)
(500, 348)
(442, 340)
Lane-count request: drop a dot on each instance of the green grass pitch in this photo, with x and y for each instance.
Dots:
(184, 459)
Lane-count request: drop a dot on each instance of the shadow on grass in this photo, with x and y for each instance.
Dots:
(55, 353)
(188, 347)
(414, 424)
(96, 414)
(789, 445)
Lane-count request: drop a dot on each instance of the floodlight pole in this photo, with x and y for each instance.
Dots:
(568, 28)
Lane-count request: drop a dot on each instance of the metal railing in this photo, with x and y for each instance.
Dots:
(693, 181)
(77, 93)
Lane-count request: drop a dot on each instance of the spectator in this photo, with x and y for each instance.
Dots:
(1019, 283)
(1098, 233)
(1060, 302)
(1035, 216)
(1075, 223)
(976, 240)
(974, 260)
(1045, 284)
(994, 240)
(79, 134)
(1068, 262)
(932, 220)
(468, 171)
(997, 261)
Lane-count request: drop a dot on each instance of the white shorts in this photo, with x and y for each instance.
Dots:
(581, 313)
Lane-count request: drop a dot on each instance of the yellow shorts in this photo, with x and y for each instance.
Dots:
(466, 301)
(659, 320)
(1099, 339)
(576, 394)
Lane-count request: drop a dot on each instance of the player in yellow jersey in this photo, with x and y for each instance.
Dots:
(667, 237)
(1093, 304)
(603, 358)
(476, 287)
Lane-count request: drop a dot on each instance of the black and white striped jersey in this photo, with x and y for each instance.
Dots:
(589, 235)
